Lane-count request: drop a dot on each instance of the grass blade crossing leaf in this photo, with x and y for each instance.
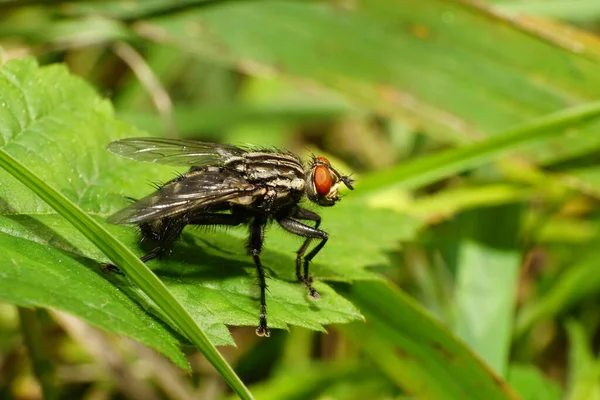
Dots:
(115, 250)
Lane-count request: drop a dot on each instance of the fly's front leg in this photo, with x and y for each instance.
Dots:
(300, 229)
(255, 242)
(302, 213)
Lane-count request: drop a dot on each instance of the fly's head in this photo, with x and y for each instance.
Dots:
(323, 182)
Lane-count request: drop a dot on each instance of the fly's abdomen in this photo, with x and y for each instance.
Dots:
(162, 232)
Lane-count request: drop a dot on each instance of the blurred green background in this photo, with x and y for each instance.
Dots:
(470, 245)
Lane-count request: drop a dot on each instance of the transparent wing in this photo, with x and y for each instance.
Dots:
(174, 152)
(200, 190)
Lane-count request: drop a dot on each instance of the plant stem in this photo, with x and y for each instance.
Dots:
(38, 354)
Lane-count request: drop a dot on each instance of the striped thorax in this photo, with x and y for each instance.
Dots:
(283, 171)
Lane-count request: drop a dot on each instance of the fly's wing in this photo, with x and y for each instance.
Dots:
(201, 189)
(174, 152)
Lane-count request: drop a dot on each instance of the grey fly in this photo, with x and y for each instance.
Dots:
(229, 185)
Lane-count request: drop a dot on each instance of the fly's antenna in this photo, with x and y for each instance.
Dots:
(348, 182)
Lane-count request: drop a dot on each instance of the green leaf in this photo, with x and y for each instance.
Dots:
(41, 274)
(564, 229)
(415, 351)
(588, 179)
(191, 120)
(33, 336)
(319, 381)
(578, 281)
(36, 110)
(531, 384)
(438, 62)
(213, 276)
(487, 268)
(377, 231)
(584, 368)
(58, 245)
(216, 285)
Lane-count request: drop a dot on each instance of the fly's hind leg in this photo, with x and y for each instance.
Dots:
(164, 232)
(109, 268)
(161, 234)
(294, 226)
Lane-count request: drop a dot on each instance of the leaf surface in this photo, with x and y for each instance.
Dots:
(435, 64)
(59, 128)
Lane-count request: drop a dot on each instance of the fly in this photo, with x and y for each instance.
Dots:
(228, 186)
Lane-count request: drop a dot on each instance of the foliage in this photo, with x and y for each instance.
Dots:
(474, 140)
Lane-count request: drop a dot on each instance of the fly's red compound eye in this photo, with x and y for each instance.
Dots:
(323, 160)
(323, 180)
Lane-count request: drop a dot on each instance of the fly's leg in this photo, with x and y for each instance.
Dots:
(302, 213)
(113, 269)
(151, 256)
(255, 242)
(300, 229)
(169, 234)
(109, 268)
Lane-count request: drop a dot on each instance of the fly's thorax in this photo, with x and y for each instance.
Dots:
(282, 171)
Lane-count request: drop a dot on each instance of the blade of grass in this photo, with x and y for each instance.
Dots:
(415, 351)
(584, 368)
(133, 267)
(582, 10)
(38, 354)
(487, 273)
(430, 168)
(532, 384)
